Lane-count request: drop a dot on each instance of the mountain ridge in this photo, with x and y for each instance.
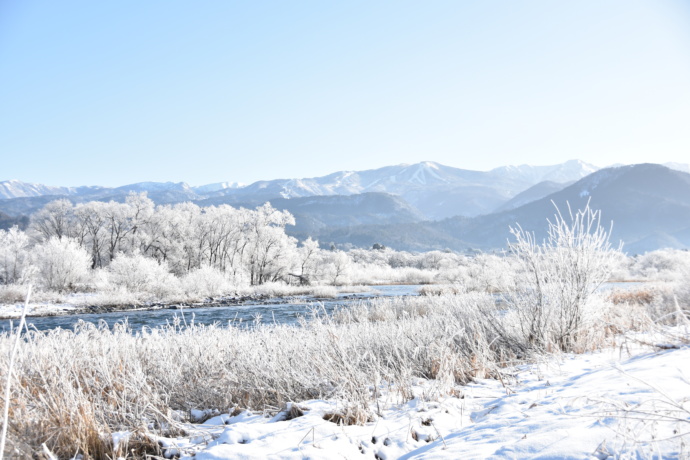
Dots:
(649, 203)
(439, 191)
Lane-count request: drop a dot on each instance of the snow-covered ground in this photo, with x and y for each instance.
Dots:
(8, 311)
(627, 402)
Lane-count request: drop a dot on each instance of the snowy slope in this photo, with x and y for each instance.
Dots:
(216, 187)
(569, 171)
(19, 189)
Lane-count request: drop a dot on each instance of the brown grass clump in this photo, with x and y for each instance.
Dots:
(349, 416)
(641, 297)
(295, 411)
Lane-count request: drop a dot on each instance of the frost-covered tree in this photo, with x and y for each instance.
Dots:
(308, 259)
(270, 249)
(55, 219)
(336, 267)
(92, 218)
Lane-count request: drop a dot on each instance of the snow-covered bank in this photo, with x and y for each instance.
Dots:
(600, 405)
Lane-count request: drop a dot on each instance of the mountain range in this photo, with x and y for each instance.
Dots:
(438, 191)
(440, 206)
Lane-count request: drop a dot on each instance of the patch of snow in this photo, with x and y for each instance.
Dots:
(10, 311)
(208, 188)
(120, 436)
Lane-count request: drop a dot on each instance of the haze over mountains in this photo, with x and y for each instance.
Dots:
(427, 205)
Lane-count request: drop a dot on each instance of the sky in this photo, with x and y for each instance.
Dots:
(112, 93)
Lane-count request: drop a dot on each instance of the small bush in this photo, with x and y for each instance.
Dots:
(206, 282)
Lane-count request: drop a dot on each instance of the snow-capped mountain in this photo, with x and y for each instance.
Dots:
(19, 189)
(155, 187)
(648, 203)
(437, 190)
(565, 172)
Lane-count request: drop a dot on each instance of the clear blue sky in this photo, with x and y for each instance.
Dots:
(117, 92)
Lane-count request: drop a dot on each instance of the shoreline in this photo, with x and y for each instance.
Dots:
(51, 310)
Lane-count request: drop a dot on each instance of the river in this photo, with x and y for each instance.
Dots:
(271, 311)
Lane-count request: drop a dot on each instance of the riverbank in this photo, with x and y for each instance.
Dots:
(38, 310)
(79, 304)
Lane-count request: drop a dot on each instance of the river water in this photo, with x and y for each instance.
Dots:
(278, 311)
(271, 311)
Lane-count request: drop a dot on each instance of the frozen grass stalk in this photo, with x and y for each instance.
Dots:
(8, 383)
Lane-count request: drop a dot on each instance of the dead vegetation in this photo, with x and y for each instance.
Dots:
(74, 389)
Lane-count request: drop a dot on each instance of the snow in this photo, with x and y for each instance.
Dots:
(575, 406)
(218, 186)
(35, 309)
(683, 167)
(120, 437)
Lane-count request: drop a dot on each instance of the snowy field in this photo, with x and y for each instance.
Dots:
(630, 401)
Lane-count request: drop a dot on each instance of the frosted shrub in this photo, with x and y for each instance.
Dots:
(558, 278)
(366, 273)
(207, 282)
(137, 273)
(662, 265)
(61, 264)
(489, 273)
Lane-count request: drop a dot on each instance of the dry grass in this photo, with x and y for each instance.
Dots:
(639, 297)
(74, 389)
